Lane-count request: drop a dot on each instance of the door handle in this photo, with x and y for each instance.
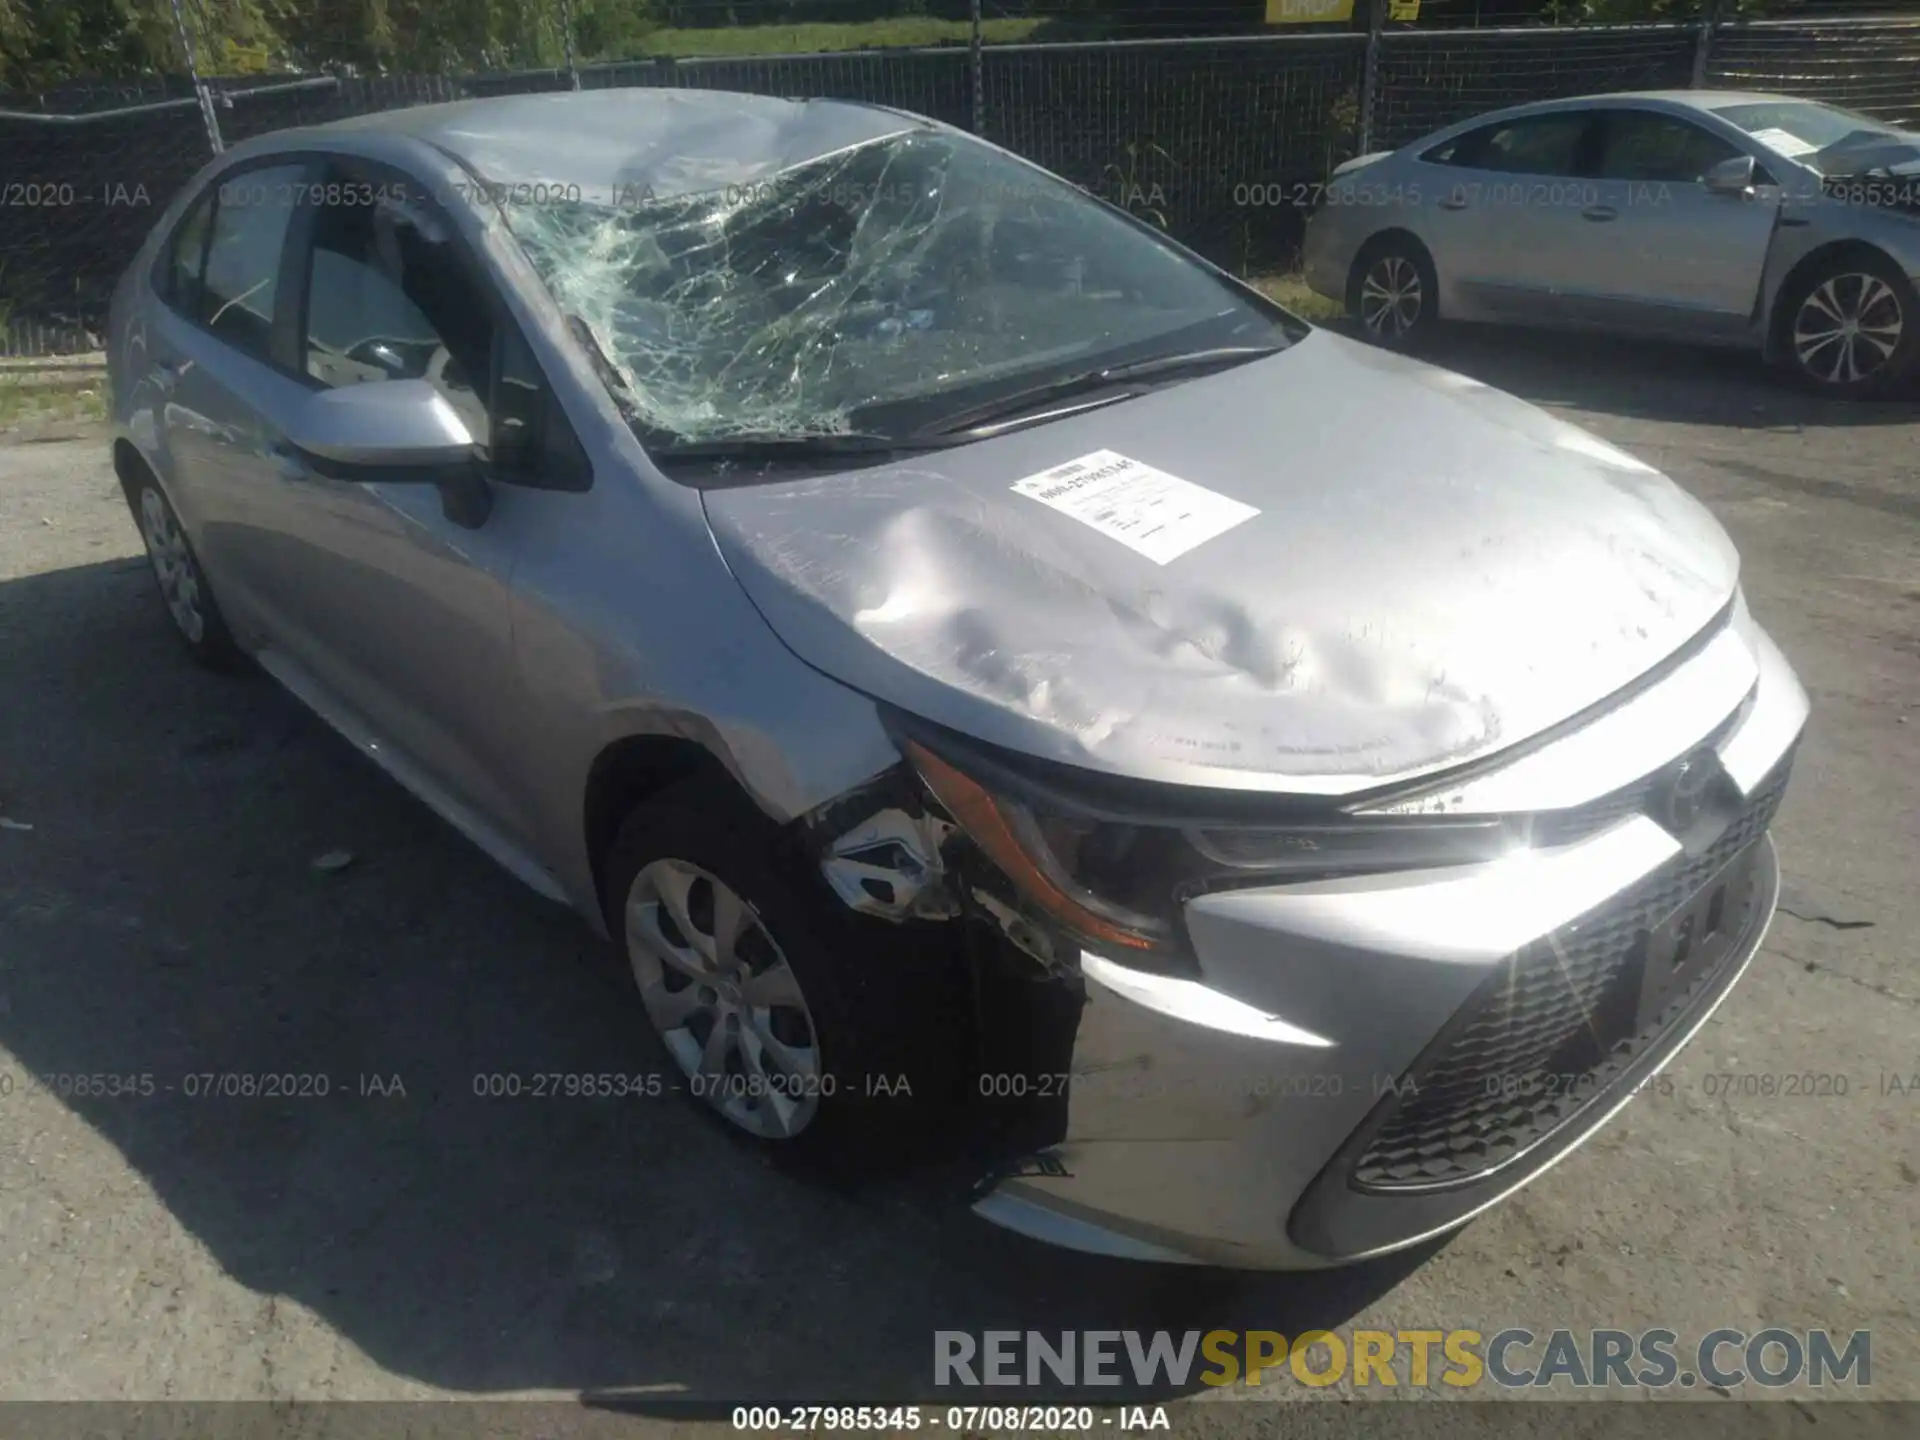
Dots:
(1454, 202)
(165, 374)
(1600, 213)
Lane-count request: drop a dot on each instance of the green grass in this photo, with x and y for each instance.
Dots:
(1292, 292)
(810, 39)
(33, 397)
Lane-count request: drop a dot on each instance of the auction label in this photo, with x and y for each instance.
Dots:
(1149, 511)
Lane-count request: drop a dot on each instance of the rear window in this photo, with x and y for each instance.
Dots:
(1548, 144)
(1537, 145)
(177, 277)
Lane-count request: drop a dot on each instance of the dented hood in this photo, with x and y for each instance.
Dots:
(1435, 571)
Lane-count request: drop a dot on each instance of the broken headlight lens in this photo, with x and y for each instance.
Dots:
(1120, 884)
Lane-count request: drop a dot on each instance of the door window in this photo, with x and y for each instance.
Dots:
(1642, 145)
(388, 299)
(251, 212)
(391, 297)
(178, 275)
(1533, 145)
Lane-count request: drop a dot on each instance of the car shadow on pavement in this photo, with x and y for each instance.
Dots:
(1647, 380)
(163, 926)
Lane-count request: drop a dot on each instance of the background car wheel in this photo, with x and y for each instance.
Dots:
(183, 585)
(1851, 327)
(828, 1037)
(1393, 292)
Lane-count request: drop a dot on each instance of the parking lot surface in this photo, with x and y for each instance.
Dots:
(161, 915)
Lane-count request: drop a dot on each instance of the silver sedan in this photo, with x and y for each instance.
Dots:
(986, 670)
(1777, 224)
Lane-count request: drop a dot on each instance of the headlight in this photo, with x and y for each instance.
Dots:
(1119, 883)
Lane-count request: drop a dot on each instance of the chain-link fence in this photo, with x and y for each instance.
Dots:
(1217, 138)
(1432, 78)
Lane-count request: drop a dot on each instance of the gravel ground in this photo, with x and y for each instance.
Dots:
(163, 916)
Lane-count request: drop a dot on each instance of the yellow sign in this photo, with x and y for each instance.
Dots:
(1307, 12)
(1403, 9)
(245, 59)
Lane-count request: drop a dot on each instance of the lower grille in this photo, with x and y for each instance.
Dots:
(1548, 1032)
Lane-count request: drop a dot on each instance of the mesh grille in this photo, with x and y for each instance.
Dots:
(1564, 827)
(1548, 1032)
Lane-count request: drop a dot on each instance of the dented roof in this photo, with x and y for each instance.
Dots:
(614, 142)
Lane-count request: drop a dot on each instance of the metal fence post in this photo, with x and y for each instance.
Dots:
(1370, 75)
(1709, 17)
(566, 36)
(979, 88)
(200, 89)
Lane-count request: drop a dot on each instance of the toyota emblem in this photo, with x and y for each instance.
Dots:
(1680, 799)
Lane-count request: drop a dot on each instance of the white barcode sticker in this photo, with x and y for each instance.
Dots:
(1782, 142)
(1149, 511)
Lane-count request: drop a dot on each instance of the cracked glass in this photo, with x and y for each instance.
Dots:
(871, 290)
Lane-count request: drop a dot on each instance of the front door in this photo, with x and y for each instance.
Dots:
(396, 610)
(1671, 257)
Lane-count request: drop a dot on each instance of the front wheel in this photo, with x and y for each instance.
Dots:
(823, 1035)
(1852, 328)
(1393, 292)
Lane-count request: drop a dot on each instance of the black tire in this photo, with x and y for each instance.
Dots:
(889, 1005)
(1851, 366)
(1393, 293)
(182, 584)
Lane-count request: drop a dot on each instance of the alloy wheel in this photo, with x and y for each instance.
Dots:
(173, 565)
(723, 998)
(1391, 297)
(1847, 328)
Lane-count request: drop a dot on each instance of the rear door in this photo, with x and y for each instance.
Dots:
(1503, 246)
(221, 361)
(1674, 258)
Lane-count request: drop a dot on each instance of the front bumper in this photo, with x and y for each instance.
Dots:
(1369, 1062)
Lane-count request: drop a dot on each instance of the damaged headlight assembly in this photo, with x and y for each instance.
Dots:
(1111, 873)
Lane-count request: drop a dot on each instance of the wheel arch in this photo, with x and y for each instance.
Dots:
(1778, 317)
(130, 467)
(632, 770)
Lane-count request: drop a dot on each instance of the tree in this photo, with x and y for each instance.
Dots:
(44, 43)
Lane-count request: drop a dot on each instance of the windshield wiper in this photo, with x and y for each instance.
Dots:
(777, 446)
(1154, 367)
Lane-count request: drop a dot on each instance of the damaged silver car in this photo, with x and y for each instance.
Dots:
(990, 672)
(1723, 217)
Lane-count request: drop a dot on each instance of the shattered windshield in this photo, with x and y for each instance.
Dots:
(873, 290)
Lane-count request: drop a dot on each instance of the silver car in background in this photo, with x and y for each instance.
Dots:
(988, 671)
(1781, 225)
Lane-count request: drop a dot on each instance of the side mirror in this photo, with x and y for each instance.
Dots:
(1732, 176)
(394, 432)
(388, 425)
